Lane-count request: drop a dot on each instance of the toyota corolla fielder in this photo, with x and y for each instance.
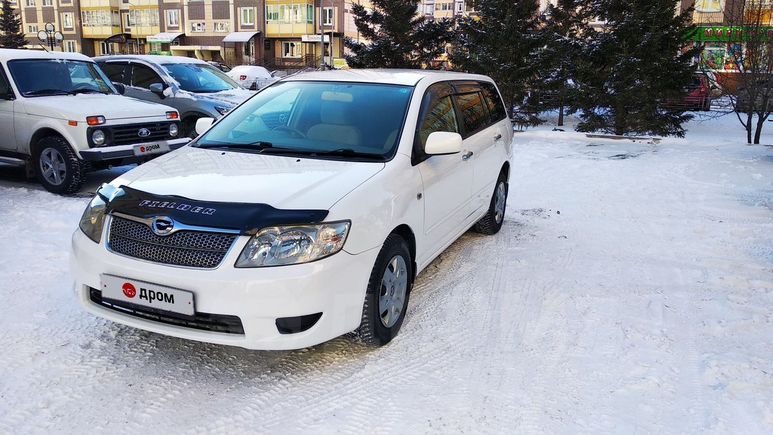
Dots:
(303, 214)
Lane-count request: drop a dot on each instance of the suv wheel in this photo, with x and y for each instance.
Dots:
(491, 223)
(57, 166)
(386, 298)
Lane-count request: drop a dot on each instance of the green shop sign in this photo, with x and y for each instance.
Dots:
(730, 33)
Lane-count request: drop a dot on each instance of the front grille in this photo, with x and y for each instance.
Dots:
(129, 134)
(208, 322)
(183, 248)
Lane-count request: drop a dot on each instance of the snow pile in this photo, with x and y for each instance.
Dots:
(630, 291)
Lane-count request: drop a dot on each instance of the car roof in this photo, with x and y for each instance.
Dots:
(406, 77)
(151, 58)
(7, 54)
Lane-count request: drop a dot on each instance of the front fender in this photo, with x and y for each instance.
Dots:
(380, 204)
(28, 126)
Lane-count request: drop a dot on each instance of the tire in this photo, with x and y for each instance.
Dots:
(379, 323)
(491, 223)
(57, 167)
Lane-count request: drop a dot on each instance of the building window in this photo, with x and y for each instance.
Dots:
(105, 48)
(30, 3)
(327, 16)
(198, 27)
(221, 26)
(99, 18)
(708, 6)
(68, 20)
(48, 2)
(32, 28)
(129, 20)
(247, 16)
(143, 18)
(173, 18)
(291, 49)
(459, 8)
(288, 14)
(70, 46)
(429, 9)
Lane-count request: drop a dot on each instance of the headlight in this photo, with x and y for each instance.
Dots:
(173, 130)
(222, 110)
(279, 246)
(98, 137)
(93, 219)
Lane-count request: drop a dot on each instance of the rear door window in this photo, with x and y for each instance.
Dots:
(473, 111)
(494, 103)
(115, 71)
(143, 76)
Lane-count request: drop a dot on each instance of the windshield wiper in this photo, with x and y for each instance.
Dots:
(348, 152)
(86, 91)
(38, 92)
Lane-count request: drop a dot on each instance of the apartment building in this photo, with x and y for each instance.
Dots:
(275, 33)
(62, 13)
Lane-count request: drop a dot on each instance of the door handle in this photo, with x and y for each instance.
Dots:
(497, 136)
(466, 156)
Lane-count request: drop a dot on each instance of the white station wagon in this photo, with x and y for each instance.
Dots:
(303, 214)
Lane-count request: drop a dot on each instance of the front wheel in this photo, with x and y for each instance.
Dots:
(492, 222)
(386, 298)
(57, 166)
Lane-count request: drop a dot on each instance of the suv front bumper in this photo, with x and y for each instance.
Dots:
(334, 286)
(118, 152)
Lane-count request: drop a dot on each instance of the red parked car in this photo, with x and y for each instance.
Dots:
(699, 94)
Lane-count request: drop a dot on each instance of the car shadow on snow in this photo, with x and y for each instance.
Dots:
(15, 176)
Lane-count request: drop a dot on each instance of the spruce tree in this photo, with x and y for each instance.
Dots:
(566, 30)
(396, 36)
(11, 35)
(502, 41)
(634, 67)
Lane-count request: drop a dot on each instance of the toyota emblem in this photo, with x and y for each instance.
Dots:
(143, 132)
(162, 225)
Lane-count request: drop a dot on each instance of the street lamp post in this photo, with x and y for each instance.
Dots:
(50, 36)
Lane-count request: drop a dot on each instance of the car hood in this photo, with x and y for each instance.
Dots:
(78, 107)
(229, 98)
(226, 176)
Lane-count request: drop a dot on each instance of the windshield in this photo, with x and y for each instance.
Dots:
(317, 119)
(41, 77)
(199, 78)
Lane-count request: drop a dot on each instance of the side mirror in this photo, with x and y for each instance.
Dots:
(158, 89)
(443, 142)
(120, 87)
(203, 124)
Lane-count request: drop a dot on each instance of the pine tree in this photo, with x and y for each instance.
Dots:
(565, 30)
(396, 36)
(634, 67)
(11, 35)
(502, 41)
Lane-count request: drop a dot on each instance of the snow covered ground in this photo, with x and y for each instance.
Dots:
(630, 291)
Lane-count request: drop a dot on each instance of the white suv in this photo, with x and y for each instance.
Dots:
(303, 214)
(62, 116)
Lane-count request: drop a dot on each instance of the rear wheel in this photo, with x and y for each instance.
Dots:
(386, 298)
(492, 222)
(57, 166)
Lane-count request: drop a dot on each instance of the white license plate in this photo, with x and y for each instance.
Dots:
(147, 295)
(150, 148)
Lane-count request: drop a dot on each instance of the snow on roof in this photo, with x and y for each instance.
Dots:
(7, 54)
(406, 77)
(152, 58)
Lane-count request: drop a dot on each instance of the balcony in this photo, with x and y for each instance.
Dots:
(100, 21)
(289, 18)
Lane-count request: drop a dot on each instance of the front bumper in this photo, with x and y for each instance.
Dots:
(118, 152)
(334, 286)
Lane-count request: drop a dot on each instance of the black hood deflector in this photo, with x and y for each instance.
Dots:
(244, 217)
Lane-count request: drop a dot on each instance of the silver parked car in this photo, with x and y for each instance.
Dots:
(193, 87)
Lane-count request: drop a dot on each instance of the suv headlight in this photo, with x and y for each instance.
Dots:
(98, 137)
(283, 245)
(173, 130)
(93, 219)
